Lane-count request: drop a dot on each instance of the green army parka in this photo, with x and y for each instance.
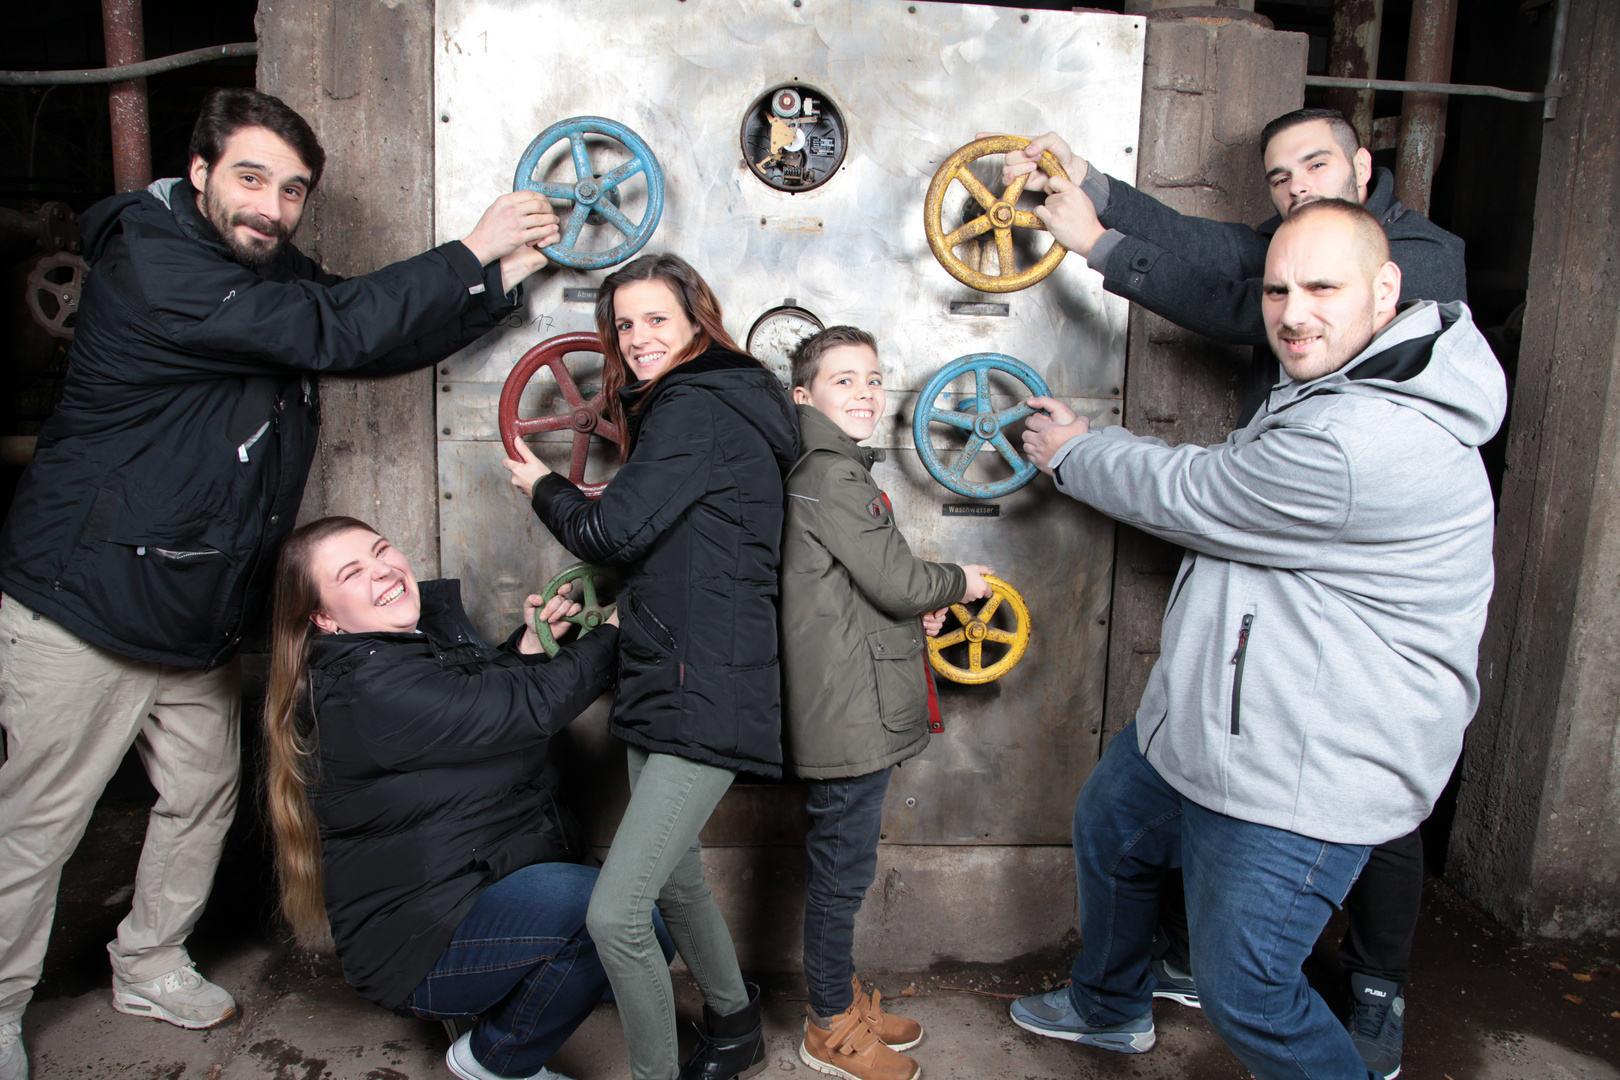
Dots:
(854, 668)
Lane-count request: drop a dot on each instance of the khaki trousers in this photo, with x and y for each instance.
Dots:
(70, 711)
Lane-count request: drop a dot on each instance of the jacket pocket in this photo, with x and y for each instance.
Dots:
(1238, 659)
(643, 634)
(902, 694)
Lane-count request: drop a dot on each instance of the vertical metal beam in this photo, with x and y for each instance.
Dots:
(1353, 54)
(125, 40)
(1423, 116)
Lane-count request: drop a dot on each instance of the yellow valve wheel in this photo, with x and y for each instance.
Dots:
(976, 629)
(1001, 215)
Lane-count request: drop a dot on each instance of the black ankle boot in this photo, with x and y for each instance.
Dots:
(729, 1047)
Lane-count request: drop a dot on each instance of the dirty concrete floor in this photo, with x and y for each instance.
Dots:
(1481, 1006)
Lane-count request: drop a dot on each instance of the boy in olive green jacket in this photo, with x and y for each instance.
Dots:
(858, 694)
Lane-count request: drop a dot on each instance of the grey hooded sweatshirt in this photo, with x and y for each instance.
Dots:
(1317, 661)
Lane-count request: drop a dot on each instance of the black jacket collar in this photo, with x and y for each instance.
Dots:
(443, 626)
(638, 397)
(1381, 203)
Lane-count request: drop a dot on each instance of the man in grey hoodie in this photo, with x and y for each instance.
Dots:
(1318, 651)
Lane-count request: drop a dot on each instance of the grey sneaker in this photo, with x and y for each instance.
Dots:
(463, 1064)
(1377, 1023)
(13, 1058)
(182, 997)
(1175, 984)
(1052, 1014)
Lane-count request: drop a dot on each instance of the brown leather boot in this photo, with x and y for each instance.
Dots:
(851, 1049)
(897, 1032)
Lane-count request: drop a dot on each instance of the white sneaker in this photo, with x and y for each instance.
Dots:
(461, 1061)
(182, 997)
(13, 1058)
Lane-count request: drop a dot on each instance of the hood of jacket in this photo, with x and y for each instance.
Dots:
(1430, 359)
(742, 384)
(818, 432)
(170, 204)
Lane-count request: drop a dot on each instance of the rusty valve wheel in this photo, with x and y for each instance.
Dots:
(976, 629)
(592, 580)
(54, 285)
(584, 418)
(1001, 215)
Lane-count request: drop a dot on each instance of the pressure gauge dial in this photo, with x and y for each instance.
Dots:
(777, 333)
(793, 138)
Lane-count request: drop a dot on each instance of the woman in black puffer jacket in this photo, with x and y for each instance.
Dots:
(695, 514)
(413, 808)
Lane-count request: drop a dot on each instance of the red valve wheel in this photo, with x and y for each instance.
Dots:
(583, 418)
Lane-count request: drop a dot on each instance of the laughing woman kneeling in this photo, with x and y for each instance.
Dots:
(408, 782)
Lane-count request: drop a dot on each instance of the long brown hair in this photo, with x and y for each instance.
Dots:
(697, 301)
(288, 745)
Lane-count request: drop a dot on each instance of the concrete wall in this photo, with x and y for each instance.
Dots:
(1210, 85)
(361, 73)
(1536, 840)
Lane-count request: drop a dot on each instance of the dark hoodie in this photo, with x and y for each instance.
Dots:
(695, 515)
(173, 468)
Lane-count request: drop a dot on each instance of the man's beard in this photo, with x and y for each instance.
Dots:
(254, 254)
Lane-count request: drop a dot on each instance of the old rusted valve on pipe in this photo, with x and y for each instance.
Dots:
(591, 582)
(583, 417)
(1001, 215)
(595, 198)
(975, 415)
(54, 285)
(976, 629)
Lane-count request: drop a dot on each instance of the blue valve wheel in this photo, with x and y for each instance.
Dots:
(595, 198)
(983, 424)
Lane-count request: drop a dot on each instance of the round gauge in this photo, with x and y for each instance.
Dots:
(777, 333)
(793, 138)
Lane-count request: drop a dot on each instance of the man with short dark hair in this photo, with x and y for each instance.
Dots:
(1318, 654)
(1205, 275)
(143, 536)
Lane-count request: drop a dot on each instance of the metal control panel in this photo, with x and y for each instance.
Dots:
(797, 145)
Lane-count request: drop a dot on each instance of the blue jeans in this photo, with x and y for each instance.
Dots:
(1257, 900)
(846, 817)
(523, 962)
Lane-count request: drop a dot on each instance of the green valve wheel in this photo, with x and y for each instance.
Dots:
(593, 583)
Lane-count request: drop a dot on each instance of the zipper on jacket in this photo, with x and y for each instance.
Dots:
(1237, 667)
(242, 451)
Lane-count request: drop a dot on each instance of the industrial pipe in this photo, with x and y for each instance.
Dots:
(1453, 89)
(1423, 114)
(129, 71)
(1353, 55)
(125, 43)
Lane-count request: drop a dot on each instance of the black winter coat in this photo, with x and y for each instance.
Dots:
(432, 782)
(696, 516)
(163, 485)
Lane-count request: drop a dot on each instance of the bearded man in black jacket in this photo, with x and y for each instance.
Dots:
(1205, 276)
(143, 536)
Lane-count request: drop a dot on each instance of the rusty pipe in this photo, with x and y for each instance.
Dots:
(1449, 89)
(1423, 116)
(125, 43)
(1353, 54)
